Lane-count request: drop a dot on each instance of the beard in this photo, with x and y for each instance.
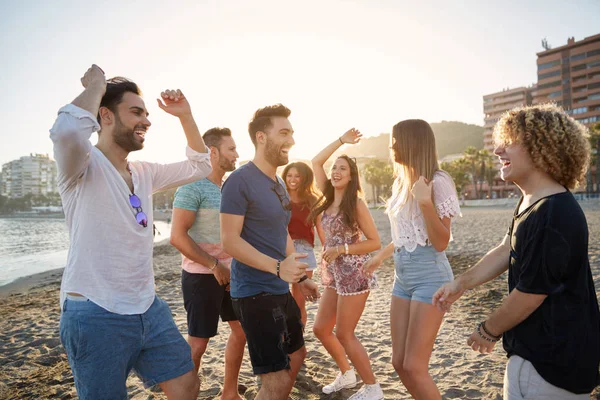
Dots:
(274, 156)
(226, 165)
(125, 137)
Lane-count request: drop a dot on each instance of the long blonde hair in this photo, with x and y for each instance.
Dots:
(414, 154)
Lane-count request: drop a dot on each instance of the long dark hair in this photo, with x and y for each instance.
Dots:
(349, 201)
(306, 191)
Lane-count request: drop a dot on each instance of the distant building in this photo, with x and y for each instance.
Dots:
(450, 158)
(570, 77)
(33, 174)
(496, 104)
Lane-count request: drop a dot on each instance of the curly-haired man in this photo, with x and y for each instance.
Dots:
(550, 320)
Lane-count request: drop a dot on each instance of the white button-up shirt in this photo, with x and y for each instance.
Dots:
(110, 254)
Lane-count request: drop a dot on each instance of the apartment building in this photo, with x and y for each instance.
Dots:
(569, 76)
(496, 104)
(33, 174)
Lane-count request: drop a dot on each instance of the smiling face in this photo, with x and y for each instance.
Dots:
(293, 180)
(277, 141)
(130, 123)
(341, 174)
(516, 162)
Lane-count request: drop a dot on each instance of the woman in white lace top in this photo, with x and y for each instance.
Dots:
(421, 209)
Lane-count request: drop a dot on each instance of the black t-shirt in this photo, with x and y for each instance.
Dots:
(549, 255)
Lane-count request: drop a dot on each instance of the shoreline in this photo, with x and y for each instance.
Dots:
(31, 283)
(40, 280)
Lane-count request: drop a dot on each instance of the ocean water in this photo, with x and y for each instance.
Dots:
(32, 245)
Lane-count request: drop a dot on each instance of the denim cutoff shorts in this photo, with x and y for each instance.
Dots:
(302, 246)
(103, 347)
(420, 273)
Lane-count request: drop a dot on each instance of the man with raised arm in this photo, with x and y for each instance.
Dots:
(205, 266)
(111, 319)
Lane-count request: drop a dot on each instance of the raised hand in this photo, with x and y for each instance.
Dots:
(291, 270)
(422, 190)
(174, 103)
(352, 136)
(94, 78)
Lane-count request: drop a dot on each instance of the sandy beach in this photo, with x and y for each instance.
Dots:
(33, 364)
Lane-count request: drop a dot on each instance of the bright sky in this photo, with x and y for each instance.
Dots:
(335, 63)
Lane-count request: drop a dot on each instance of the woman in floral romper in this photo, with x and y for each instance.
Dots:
(345, 219)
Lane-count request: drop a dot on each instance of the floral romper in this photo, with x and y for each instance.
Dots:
(345, 274)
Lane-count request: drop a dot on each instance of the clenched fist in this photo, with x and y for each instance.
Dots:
(94, 77)
(174, 103)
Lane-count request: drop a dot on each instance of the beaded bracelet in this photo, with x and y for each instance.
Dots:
(483, 336)
(488, 333)
(278, 267)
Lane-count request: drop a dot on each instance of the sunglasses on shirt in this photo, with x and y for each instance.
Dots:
(140, 216)
(280, 192)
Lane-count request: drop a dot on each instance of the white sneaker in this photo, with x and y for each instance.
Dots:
(342, 381)
(368, 392)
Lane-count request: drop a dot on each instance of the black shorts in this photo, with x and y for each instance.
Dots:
(204, 300)
(273, 328)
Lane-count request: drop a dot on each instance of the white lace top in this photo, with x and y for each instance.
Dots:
(408, 225)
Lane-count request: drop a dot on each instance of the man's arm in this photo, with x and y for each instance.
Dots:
(198, 165)
(175, 103)
(75, 124)
(492, 265)
(182, 222)
(94, 83)
(514, 309)
(231, 230)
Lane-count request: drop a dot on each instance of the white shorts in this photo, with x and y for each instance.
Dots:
(522, 381)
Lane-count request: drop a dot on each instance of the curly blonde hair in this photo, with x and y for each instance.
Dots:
(555, 142)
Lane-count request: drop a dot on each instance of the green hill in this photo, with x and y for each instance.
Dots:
(451, 138)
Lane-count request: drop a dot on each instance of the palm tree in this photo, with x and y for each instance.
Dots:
(373, 176)
(471, 155)
(459, 171)
(488, 170)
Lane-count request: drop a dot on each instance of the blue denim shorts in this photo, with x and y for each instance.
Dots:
(419, 274)
(103, 347)
(302, 246)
